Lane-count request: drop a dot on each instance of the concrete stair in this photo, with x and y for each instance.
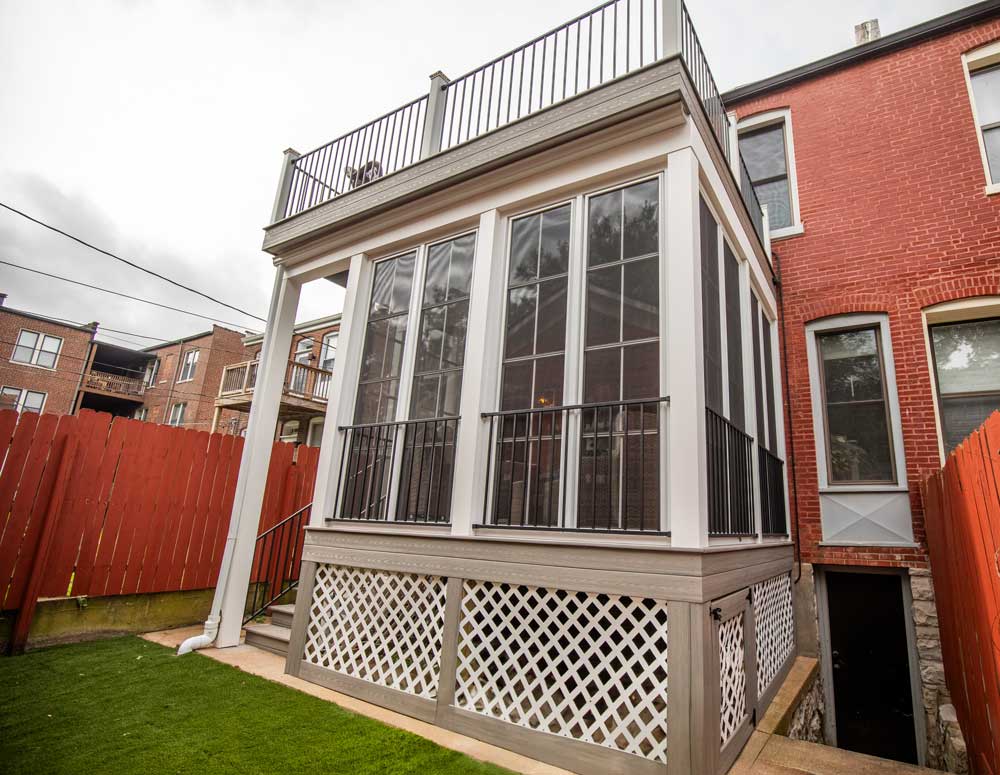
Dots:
(272, 635)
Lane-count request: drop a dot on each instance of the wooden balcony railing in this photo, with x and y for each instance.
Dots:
(301, 381)
(115, 383)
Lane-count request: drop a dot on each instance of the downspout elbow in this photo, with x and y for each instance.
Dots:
(206, 639)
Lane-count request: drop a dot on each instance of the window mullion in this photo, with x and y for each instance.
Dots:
(573, 358)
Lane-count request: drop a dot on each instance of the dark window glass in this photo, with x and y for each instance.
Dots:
(640, 223)
(604, 229)
(858, 435)
(757, 371)
(710, 314)
(763, 151)
(967, 368)
(769, 387)
(986, 91)
(734, 338)
(604, 305)
(640, 308)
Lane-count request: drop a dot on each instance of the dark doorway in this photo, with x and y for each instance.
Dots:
(871, 665)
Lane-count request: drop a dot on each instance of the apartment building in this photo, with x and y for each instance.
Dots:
(880, 167)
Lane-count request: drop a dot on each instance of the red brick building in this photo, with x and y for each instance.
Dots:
(42, 361)
(885, 215)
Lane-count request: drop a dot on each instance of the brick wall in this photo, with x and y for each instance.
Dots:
(59, 384)
(891, 192)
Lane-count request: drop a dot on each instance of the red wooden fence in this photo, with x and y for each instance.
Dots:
(146, 507)
(962, 504)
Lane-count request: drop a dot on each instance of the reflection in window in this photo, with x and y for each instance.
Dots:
(382, 360)
(37, 349)
(734, 338)
(619, 444)
(529, 446)
(857, 419)
(763, 151)
(967, 367)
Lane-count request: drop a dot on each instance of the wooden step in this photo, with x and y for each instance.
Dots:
(268, 637)
(281, 615)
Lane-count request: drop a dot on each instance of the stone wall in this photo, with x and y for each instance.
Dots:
(808, 719)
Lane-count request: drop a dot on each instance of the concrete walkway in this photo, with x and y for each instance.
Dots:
(767, 754)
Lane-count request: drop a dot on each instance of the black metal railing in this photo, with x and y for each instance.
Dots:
(613, 39)
(382, 146)
(749, 197)
(730, 478)
(422, 452)
(694, 59)
(772, 493)
(274, 571)
(617, 449)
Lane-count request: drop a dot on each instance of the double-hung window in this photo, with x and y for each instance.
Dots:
(188, 366)
(298, 381)
(36, 349)
(982, 68)
(152, 372)
(22, 400)
(967, 369)
(765, 145)
(329, 351)
(177, 412)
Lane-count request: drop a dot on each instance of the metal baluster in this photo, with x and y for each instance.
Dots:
(624, 479)
(487, 517)
(552, 453)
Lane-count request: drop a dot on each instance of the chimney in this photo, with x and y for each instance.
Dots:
(866, 32)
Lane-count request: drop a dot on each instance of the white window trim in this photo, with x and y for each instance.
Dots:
(986, 56)
(892, 396)
(957, 311)
(184, 362)
(328, 345)
(22, 393)
(177, 422)
(37, 350)
(141, 414)
(759, 121)
(152, 372)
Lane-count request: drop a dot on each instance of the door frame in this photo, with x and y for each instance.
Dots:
(825, 648)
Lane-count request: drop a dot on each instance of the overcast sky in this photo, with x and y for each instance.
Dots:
(155, 129)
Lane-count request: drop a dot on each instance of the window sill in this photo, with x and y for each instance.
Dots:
(992, 188)
(862, 488)
(35, 365)
(788, 231)
(868, 545)
(182, 381)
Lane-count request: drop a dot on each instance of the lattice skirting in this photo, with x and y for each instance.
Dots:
(378, 626)
(774, 627)
(590, 667)
(732, 677)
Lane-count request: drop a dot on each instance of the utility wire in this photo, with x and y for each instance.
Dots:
(123, 295)
(132, 264)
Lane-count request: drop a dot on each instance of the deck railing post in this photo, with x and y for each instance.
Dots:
(671, 30)
(434, 118)
(284, 185)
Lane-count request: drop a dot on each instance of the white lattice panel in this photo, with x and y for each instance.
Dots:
(584, 666)
(774, 627)
(732, 677)
(378, 626)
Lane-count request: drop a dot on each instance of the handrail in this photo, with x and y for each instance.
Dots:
(274, 569)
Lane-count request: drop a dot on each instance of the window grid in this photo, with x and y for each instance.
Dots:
(21, 400)
(189, 366)
(985, 83)
(36, 349)
(177, 412)
(772, 184)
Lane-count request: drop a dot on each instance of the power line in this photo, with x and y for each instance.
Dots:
(124, 295)
(132, 264)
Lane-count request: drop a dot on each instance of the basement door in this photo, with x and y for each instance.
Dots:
(868, 655)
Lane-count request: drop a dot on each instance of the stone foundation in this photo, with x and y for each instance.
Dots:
(808, 719)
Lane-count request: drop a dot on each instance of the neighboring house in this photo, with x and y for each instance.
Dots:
(43, 361)
(183, 377)
(881, 169)
(115, 380)
(306, 387)
(557, 469)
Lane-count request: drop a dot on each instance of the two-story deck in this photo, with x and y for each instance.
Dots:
(550, 511)
(114, 380)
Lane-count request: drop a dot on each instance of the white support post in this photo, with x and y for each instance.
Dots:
(671, 31)
(434, 117)
(284, 185)
(234, 575)
(342, 391)
(686, 474)
(479, 381)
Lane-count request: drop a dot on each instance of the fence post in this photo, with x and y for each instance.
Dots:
(30, 599)
(671, 31)
(434, 117)
(284, 185)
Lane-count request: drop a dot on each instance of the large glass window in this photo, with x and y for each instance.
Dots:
(711, 328)
(37, 349)
(986, 92)
(967, 367)
(382, 361)
(734, 338)
(859, 439)
(763, 152)
(619, 443)
(21, 400)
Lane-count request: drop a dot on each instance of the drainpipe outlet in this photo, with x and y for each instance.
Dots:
(201, 641)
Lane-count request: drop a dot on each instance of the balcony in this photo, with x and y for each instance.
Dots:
(304, 391)
(624, 57)
(114, 384)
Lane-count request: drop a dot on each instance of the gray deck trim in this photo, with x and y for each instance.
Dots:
(852, 56)
(300, 619)
(408, 704)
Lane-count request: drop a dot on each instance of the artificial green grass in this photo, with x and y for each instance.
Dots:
(129, 706)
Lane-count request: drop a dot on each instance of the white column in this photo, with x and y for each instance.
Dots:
(480, 376)
(234, 575)
(671, 30)
(686, 467)
(342, 391)
(284, 185)
(434, 117)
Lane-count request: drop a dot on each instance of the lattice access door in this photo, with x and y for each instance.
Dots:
(774, 628)
(734, 636)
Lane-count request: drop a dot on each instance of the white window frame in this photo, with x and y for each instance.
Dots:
(773, 118)
(303, 350)
(979, 59)
(190, 360)
(853, 321)
(152, 372)
(328, 349)
(141, 414)
(37, 349)
(177, 412)
(22, 394)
